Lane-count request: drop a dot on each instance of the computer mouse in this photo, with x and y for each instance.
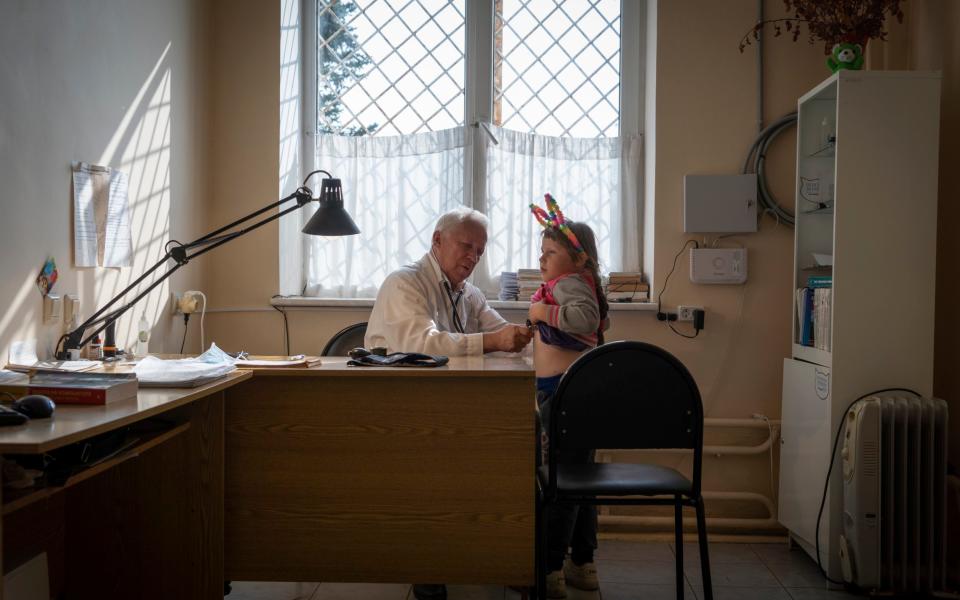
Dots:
(35, 406)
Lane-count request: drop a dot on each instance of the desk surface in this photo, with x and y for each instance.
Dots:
(72, 423)
(459, 366)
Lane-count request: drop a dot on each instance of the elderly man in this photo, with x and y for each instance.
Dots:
(429, 307)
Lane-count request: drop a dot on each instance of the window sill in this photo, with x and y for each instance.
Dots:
(305, 302)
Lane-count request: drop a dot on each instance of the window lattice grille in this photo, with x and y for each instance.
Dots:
(390, 68)
(557, 67)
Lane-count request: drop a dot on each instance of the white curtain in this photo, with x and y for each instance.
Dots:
(395, 188)
(594, 180)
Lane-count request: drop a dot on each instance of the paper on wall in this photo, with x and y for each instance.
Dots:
(101, 221)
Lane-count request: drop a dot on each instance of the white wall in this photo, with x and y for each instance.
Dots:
(110, 82)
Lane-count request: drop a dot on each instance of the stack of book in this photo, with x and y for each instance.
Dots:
(814, 308)
(626, 286)
(77, 388)
(530, 281)
(509, 286)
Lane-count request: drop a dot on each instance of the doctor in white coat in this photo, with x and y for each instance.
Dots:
(430, 307)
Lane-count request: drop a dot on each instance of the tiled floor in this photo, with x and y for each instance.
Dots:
(628, 570)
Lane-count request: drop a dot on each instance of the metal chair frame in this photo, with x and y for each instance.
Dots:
(559, 429)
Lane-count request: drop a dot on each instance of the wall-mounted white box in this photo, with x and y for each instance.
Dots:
(720, 203)
(52, 308)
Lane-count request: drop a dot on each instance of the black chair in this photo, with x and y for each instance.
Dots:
(345, 340)
(625, 395)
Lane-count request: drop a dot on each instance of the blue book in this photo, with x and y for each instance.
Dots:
(805, 315)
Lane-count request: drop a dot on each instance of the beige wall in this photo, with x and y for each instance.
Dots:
(117, 83)
(705, 123)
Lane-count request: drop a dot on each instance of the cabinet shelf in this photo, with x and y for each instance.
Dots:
(813, 355)
(16, 499)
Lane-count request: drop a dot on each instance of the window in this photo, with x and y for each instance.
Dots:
(423, 105)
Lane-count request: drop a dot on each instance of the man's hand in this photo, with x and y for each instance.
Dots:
(539, 312)
(510, 338)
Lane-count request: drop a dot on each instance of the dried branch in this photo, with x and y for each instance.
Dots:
(832, 21)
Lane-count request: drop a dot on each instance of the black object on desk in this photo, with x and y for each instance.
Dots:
(396, 359)
(8, 416)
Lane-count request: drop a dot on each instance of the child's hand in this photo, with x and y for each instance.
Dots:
(539, 312)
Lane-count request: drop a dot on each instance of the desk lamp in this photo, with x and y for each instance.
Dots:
(331, 219)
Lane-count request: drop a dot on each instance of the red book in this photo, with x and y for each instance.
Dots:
(80, 388)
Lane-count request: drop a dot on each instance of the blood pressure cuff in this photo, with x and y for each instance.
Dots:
(399, 359)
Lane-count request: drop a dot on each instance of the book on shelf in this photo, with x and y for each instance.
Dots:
(78, 388)
(822, 307)
(805, 316)
(628, 287)
(820, 281)
(627, 296)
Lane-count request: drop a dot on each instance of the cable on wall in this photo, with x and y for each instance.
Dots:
(757, 160)
(286, 326)
(758, 151)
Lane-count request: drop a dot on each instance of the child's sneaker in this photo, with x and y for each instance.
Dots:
(582, 577)
(556, 586)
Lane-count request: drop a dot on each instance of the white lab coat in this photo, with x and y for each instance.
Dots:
(413, 314)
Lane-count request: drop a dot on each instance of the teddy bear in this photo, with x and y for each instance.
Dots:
(845, 56)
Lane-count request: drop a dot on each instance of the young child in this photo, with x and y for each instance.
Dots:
(569, 314)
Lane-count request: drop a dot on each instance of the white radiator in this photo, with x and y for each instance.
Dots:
(894, 457)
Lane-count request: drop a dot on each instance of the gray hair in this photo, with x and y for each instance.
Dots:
(459, 215)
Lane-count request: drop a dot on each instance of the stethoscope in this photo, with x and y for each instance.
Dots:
(454, 306)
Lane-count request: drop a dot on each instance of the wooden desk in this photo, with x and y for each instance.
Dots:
(145, 524)
(321, 474)
(382, 475)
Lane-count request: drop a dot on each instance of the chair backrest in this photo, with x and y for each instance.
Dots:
(627, 395)
(345, 340)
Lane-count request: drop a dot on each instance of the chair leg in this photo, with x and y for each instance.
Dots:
(704, 551)
(541, 550)
(678, 524)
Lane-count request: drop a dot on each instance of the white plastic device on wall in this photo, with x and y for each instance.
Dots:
(718, 265)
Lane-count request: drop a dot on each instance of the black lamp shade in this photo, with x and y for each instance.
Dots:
(331, 218)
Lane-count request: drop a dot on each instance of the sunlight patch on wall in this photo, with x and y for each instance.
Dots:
(140, 146)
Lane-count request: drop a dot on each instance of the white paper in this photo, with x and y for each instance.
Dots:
(23, 352)
(23, 357)
(101, 219)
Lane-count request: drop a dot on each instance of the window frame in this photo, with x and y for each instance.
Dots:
(479, 93)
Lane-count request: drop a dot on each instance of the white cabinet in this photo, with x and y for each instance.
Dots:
(866, 202)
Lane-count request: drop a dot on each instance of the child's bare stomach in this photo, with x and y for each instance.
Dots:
(551, 360)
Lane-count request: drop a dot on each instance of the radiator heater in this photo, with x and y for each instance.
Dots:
(894, 459)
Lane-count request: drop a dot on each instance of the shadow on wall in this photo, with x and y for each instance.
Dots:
(140, 146)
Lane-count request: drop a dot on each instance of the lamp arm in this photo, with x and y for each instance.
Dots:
(211, 240)
(179, 253)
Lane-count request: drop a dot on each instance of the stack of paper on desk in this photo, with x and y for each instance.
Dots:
(253, 361)
(187, 372)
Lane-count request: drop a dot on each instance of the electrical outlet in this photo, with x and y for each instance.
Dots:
(190, 302)
(811, 187)
(685, 313)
